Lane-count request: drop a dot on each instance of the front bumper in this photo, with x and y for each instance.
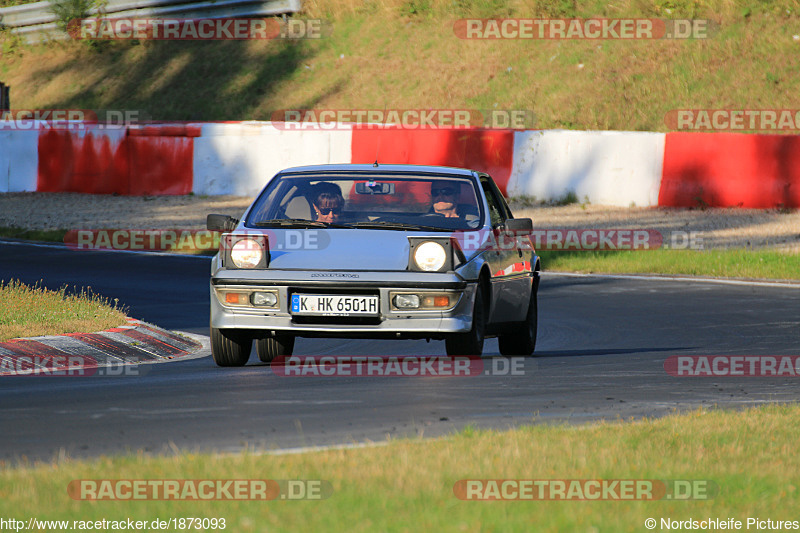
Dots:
(390, 322)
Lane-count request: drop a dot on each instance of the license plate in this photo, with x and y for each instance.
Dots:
(327, 305)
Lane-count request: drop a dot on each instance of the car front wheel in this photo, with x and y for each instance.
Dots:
(470, 343)
(271, 347)
(230, 347)
(523, 340)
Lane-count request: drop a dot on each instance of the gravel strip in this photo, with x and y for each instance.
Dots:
(719, 228)
(50, 211)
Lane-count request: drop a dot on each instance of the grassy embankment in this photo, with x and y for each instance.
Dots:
(735, 263)
(33, 311)
(408, 485)
(404, 54)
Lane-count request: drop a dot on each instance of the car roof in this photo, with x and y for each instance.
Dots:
(372, 169)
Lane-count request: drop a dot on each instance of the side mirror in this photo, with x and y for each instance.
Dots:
(520, 226)
(221, 223)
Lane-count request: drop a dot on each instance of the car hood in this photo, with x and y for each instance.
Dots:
(341, 249)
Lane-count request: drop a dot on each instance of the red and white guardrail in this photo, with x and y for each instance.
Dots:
(681, 169)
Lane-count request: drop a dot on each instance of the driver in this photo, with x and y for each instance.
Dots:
(444, 198)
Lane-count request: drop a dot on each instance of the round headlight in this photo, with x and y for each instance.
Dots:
(246, 253)
(430, 256)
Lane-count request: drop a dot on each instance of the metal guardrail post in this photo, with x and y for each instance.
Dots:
(5, 97)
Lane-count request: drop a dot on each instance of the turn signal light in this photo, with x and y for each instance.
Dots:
(436, 301)
(236, 298)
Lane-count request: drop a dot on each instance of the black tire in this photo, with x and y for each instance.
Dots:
(470, 343)
(271, 347)
(523, 340)
(230, 347)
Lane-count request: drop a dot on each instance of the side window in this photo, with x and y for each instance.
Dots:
(496, 211)
(504, 204)
(501, 202)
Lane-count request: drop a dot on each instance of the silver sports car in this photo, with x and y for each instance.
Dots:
(373, 251)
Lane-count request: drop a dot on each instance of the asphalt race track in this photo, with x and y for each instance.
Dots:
(602, 346)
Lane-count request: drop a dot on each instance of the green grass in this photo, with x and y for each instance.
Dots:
(408, 485)
(27, 311)
(733, 263)
(54, 235)
(405, 54)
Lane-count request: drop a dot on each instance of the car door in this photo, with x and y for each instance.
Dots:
(510, 269)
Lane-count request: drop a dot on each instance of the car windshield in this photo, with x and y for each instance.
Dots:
(438, 203)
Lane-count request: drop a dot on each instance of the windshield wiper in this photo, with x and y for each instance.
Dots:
(296, 223)
(386, 224)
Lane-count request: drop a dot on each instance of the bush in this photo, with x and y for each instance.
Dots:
(68, 10)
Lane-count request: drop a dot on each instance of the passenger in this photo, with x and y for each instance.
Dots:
(328, 202)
